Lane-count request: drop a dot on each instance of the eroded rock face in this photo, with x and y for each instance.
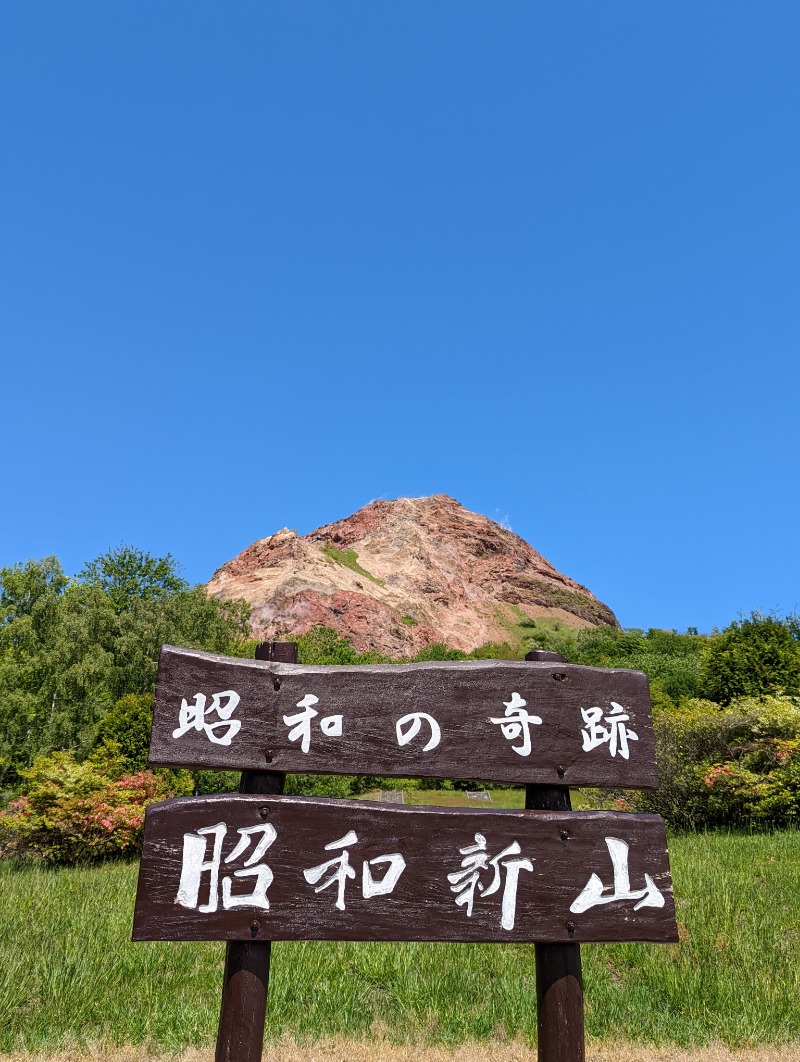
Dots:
(400, 574)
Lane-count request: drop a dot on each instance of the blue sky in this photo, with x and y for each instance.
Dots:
(261, 263)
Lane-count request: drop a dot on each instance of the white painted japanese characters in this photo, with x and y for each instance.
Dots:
(616, 735)
(329, 869)
(340, 871)
(410, 725)
(595, 892)
(476, 859)
(196, 716)
(195, 865)
(515, 724)
(509, 721)
(300, 723)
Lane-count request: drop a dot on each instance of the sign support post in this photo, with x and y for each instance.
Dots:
(559, 980)
(245, 981)
(544, 875)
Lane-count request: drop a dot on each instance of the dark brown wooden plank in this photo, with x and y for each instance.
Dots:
(556, 857)
(214, 711)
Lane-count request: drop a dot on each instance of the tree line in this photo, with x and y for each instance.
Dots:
(78, 661)
(71, 647)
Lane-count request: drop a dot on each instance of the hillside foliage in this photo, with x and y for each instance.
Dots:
(78, 659)
(70, 648)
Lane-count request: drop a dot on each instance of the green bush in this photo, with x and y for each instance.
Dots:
(327, 785)
(753, 656)
(671, 660)
(72, 812)
(727, 767)
(439, 651)
(495, 651)
(127, 726)
(324, 645)
(762, 789)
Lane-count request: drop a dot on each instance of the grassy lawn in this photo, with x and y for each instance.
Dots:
(456, 798)
(69, 974)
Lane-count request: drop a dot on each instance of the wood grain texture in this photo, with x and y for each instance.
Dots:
(564, 848)
(357, 711)
(559, 977)
(245, 982)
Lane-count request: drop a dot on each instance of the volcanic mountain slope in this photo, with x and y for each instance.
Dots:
(400, 574)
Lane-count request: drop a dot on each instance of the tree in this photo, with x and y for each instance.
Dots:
(671, 661)
(70, 649)
(24, 587)
(30, 605)
(127, 575)
(752, 657)
(126, 728)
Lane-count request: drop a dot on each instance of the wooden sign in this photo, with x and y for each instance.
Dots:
(300, 868)
(526, 723)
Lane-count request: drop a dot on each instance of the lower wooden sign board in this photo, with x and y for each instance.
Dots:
(299, 868)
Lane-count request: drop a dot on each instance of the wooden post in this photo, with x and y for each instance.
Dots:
(174, 830)
(559, 982)
(240, 1037)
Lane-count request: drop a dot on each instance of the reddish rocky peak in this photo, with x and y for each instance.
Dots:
(397, 575)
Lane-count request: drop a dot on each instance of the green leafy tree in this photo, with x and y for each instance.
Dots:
(70, 649)
(753, 656)
(127, 575)
(189, 619)
(30, 616)
(671, 661)
(127, 727)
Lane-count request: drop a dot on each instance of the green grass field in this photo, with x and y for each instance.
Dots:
(69, 974)
(456, 798)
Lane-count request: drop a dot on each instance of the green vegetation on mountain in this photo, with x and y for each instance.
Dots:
(78, 660)
(348, 558)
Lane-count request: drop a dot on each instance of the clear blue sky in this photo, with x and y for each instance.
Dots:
(262, 262)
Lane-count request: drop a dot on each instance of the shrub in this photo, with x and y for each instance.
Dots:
(495, 651)
(328, 785)
(73, 812)
(753, 656)
(439, 651)
(128, 725)
(672, 660)
(727, 767)
(324, 645)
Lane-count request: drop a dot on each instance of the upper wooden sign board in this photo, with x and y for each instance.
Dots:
(300, 868)
(525, 723)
